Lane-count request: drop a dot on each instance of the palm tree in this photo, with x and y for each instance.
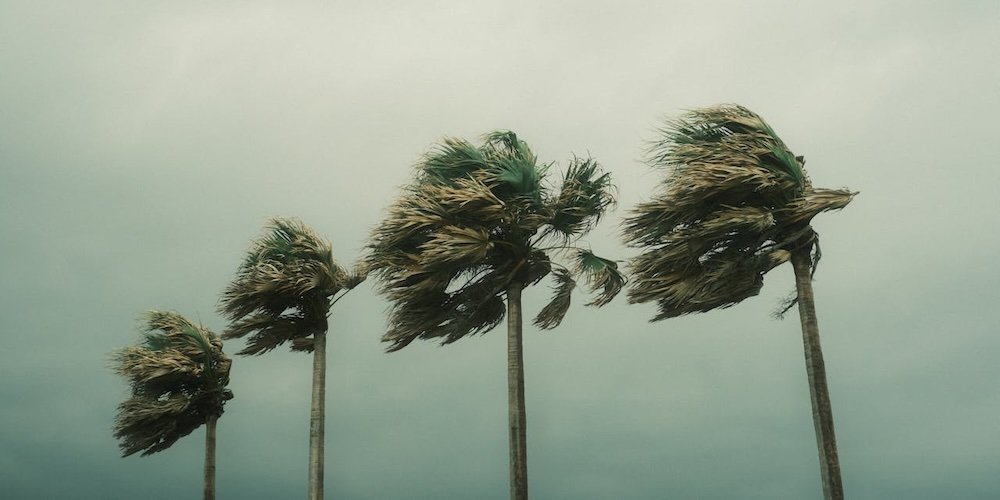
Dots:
(736, 204)
(476, 226)
(283, 292)
(178, 376)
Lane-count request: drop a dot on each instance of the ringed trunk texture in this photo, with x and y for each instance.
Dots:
(515, 396)
(317, 416)
(826, 441)
(209, 486)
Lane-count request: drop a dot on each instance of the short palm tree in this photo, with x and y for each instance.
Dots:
(736, 204)
(476, 226)
(178, 376)
(283, 292)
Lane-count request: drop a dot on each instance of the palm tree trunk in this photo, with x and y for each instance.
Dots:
(317, 416)
(515, 396)
(209, 492)
(815, 369)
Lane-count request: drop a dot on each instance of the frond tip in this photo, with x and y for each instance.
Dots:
(552, 314)
(601, 274)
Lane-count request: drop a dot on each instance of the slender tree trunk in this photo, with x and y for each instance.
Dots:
(210, 457)
(515, 396)
(826, 441)
(317, 417)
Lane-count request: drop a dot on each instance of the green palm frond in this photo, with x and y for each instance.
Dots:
(469, 225)
(518, 177)
(513, 169)
(504, 144)
(601, 274)
(452, 161)
(177, 374)
(585, 195)
(735, 201)
(552, 314)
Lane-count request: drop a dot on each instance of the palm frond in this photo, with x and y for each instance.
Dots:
(513, 170)
(802, 210)
(423, 316)
(585, 195)
(601, 274)
(452, 161)
(151, 425)
(539, 266)
(144, 366)
(552, 314)
(266, 332)
(450, 245)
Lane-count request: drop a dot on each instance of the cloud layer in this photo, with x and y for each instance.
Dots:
(144, 145)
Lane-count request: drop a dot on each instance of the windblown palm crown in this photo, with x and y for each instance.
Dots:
(178, 376)
(735, 204)
(283, 289)
(476, 219)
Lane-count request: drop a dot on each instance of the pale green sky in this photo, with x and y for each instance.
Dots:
(143, 144)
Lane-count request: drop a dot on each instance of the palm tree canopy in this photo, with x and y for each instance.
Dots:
(474, 220)
(735, 203)
(178, 375)
(283, 288)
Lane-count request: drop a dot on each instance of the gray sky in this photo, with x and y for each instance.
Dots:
(144, 144)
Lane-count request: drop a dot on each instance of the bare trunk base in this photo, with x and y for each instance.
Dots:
(826, 441)
(515, 397)
(317, 418)
(209, 487)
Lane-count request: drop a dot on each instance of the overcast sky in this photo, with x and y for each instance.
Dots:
(144, 144)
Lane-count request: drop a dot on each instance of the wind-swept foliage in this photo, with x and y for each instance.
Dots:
(283, 289)
(477, 218)
(736, 202)
(178, 376)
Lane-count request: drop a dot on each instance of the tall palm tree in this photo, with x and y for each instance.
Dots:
(476, 226)
(178, 376)
(736, 204)
(283, 292)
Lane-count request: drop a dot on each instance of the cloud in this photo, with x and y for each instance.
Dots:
(144, 146)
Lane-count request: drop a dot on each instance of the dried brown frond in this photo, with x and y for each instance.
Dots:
(451, 245)
(553, 312)
(802, 210)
